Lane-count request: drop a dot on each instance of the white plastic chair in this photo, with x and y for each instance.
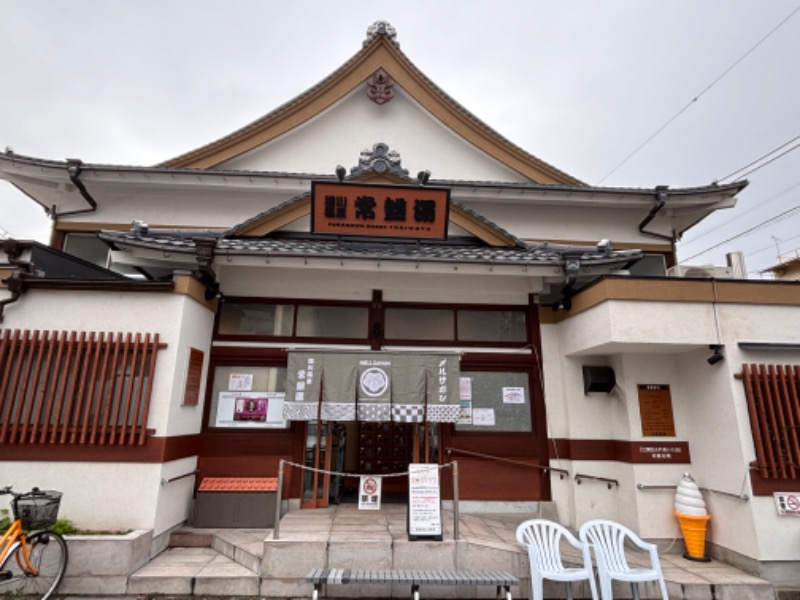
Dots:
(543, 541)
(607, 539)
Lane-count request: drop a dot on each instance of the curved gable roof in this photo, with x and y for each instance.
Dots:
(380, 52)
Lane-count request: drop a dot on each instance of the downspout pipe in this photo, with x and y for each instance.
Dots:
(661, 201)
(15, 283)
(74, 172)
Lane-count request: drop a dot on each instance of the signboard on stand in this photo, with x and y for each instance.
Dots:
(424, 503)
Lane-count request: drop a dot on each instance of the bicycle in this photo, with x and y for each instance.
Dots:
(32, 559)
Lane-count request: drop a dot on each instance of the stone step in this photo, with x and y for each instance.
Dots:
(194, 571)
(243, 546)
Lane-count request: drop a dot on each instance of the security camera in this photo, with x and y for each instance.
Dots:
(717, 356)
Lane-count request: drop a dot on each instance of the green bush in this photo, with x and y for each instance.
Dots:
(5, 520)
(64, 527)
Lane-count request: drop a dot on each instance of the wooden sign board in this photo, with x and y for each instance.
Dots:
(379, 210)
(424, 502)
(655, 410)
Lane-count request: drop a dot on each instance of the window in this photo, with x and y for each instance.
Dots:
(263, 319)
(492, 326)
(256, 319)
(248, 397)
(332, 321)
(420, 324)
(495, 401)
(456, 325)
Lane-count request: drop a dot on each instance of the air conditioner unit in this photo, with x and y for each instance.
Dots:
(701, 271)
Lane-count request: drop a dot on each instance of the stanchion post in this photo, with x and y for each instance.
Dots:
(455, 499)
(276, 531)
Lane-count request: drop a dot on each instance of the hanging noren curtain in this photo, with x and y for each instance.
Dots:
(377, 387)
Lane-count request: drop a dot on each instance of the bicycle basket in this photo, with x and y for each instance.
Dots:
(37, 510)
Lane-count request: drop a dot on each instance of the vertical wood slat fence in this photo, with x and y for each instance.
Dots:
(59, 387)
(773, 403)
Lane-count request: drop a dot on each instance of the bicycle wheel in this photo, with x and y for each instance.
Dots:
(47, 553)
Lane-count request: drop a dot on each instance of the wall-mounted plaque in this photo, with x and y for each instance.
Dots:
(655, 410)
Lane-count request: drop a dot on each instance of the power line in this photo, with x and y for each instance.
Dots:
(741, 214)
(759, 159)
(771, 246)
(697, 97)
(771, 160)
(780, 217)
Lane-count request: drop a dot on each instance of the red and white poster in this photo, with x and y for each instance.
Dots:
(424, 502)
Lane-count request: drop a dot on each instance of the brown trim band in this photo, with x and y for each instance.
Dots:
(154, 450)
(766, 487)
(641, 452)
(675, 289)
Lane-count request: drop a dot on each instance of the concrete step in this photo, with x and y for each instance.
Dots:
(195, 571)
(243, 546)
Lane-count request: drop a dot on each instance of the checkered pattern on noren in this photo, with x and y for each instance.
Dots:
(408, 413)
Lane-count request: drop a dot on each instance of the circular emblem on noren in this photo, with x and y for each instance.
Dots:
(374, 382)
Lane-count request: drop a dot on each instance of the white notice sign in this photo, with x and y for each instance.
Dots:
(369, 493)
(424, 502)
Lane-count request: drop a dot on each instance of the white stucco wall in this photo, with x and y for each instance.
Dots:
(97, 495)
(332, 138)
(116, 497)
(128, 495)
(667, 343)
(415, 285)
(179, 321)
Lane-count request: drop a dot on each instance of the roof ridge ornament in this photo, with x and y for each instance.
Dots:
(381, 28)
(379, 160)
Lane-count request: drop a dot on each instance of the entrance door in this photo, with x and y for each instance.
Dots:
(316, 479)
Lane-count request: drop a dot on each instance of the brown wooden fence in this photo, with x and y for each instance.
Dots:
(60, 387)
(773, 402)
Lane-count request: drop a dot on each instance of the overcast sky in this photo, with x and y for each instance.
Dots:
(579, 84)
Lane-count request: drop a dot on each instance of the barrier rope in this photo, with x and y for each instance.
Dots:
(401, 474)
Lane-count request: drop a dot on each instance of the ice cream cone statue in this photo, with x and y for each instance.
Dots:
(690, 509)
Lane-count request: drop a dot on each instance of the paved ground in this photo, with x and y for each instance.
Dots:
(347, 523)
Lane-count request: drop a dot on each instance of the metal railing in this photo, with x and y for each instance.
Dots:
(176, 478)
(742, 497)
(561, 472)
(608, 481)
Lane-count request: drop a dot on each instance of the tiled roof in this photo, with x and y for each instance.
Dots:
(454, 251)
(238, 484)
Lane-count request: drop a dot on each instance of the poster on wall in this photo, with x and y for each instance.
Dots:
(465, 414)
(424, 502)
(483, 417)
(242, 382)
(258, 410)
(513, 395)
